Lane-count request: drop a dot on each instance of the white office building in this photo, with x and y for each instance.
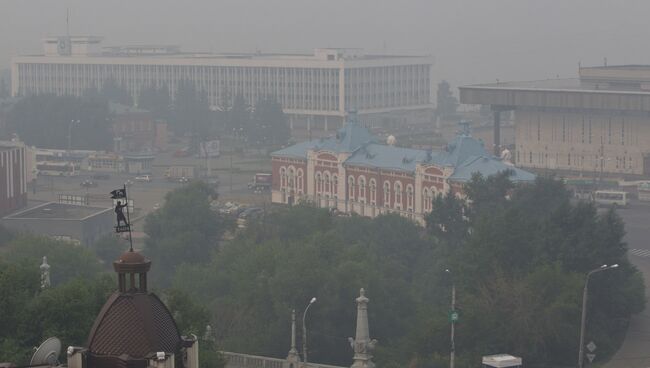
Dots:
(316, 90)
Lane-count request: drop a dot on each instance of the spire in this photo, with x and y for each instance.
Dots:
(293, 353)
(45, 273)
(361, 344)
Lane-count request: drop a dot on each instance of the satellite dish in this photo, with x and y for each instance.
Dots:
(47, 353)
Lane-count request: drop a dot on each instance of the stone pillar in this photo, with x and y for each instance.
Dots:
(45, 274)
(293, 356)
(361, 344)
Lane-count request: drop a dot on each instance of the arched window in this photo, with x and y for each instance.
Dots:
(351, 188)
(409, 197)
(373, 192)
(386, 194)
(328, 184)
(319, 183)
(335, 186)
(398, 195)
(300, 184)
(426, 200)
(362, 189)
(292, 178)
(283, 177)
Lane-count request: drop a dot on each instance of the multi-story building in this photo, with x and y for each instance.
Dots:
(353, 173)
(13, 180)
(596, 124)
(315, 90)
(135, 130)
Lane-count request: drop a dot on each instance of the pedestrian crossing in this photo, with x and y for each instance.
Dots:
(640, 252)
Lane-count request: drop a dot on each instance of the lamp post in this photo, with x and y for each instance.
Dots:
(452, 353)
(304, 329)
(581, 351)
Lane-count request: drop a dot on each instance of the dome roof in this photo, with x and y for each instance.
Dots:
(131, 257)
(136, 325)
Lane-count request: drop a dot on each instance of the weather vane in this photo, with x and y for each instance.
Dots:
(123, 222)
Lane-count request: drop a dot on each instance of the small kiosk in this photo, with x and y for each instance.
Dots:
(501, 361)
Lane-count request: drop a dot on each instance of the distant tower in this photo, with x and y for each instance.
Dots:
(293, 356)
(45, 274)
(362, 344)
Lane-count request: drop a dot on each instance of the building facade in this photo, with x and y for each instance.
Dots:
(353, 173)
(598, 124)
(13, 177)
(315, 90)
(135, 130)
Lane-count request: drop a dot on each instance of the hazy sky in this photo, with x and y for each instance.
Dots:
(473, 41)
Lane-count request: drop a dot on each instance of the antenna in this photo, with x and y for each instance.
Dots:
(47, 353)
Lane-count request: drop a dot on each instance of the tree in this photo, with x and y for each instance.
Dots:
(68, 261)
(447, 102)
(239, 117)
(183, 230)
(269, 125)
(46, 120)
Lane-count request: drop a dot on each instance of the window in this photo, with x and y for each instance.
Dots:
(327, 184)
(398, 195)
(373, 191)
(409, 197)
(319, 183)
(292, 179)
(335, 185)
(362, 189)
(300, 184)
(386, 194)
(351, 188)
(283, 178)
(425, 200)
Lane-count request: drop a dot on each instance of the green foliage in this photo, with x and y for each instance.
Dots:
(29, 315)
(447, 102)
(183, 230)
(45, 121)
(67, 261)
(269, 124)
(293, 255)
(109, 248)
(521, 266)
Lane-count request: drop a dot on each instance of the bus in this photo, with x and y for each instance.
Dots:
(57, 168)
(610, 198)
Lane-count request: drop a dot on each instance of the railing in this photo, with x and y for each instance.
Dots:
(237, 360)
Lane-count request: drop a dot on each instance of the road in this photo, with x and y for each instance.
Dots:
(234, 172)
(634, 352)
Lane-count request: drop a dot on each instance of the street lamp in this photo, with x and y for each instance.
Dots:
(452, 354)
(581, 351)
(304, 329)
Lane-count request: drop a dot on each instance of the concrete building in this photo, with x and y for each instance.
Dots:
(13, 177)
(315, 90)
(83, 224)
(353, 173)
(597, 124)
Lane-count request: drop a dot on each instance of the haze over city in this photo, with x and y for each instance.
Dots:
(472, 41)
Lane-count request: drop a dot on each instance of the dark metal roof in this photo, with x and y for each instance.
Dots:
(133, 324)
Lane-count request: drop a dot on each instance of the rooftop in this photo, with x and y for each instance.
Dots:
(59, 211)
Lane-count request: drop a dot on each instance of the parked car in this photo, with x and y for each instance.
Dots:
(88, 183)
(143, 178)
(128, 182)
(183, 180)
